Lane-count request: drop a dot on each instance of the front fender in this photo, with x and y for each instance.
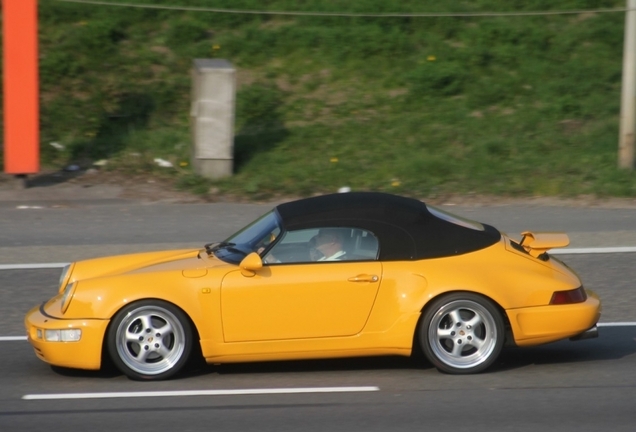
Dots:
(102, 298)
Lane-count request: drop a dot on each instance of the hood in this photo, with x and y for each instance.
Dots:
(187, 260)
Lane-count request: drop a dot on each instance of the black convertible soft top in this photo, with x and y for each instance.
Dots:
(404, 226)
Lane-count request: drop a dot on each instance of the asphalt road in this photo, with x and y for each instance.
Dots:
(52, 231)
(566, 386)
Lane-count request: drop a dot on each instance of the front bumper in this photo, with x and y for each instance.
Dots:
(543, 324)
(85, 353)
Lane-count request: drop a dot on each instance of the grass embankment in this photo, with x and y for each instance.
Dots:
(419, 106)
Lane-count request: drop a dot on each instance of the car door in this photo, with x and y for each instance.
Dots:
(297, 300)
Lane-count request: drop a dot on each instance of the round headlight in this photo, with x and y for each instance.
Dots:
(65, 276)
(67, 296)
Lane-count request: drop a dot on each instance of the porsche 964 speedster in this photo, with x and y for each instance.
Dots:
(342, 275)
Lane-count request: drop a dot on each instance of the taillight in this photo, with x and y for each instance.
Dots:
(568, 297)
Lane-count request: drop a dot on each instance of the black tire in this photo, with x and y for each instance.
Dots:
(150, 340)
(461, 333)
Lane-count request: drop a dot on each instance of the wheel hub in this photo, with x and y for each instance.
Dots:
(150, 340)
(461, 335)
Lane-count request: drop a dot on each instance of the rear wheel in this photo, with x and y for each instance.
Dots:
(150, 340)
(462, 333)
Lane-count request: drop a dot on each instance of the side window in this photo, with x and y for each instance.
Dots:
(366, 246)
(324, 244)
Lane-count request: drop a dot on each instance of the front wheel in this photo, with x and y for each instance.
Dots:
(150, 340)
(462, 333)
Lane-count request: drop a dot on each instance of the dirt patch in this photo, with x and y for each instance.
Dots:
(109, 185)
(92, 185)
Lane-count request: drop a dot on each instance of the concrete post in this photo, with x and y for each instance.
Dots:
(212, 117)
(628, 96)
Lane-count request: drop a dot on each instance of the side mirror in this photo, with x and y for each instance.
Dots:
(251, 264)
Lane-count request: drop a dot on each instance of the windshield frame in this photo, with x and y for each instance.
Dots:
(257, 236)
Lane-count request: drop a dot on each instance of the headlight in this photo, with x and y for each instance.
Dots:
(65, 276)
(67, 296)
(66, 335)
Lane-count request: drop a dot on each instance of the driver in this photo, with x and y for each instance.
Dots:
(329, 243)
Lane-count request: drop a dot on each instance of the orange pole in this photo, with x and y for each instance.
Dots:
(21, 100)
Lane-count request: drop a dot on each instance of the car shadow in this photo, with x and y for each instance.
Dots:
(199, 368)
(613, 343)
(104, 373)
(324, 365)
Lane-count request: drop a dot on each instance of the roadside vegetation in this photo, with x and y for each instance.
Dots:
(512, 106)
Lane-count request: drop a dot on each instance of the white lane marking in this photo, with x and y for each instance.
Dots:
(31, 266)
(616, 324)
(12, 338)
(564, 251)
(199, 393)
(594, 250)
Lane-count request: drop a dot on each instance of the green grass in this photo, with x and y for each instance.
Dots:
(517, 106)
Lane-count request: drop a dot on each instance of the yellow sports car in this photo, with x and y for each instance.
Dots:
(353, 274)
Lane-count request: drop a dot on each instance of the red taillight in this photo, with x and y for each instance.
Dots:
(568, 297)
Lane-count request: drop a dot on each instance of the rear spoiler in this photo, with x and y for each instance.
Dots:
(537, 244)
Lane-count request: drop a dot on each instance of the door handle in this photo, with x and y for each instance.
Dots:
(363, 278)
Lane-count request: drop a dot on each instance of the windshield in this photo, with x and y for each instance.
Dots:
(255, 237)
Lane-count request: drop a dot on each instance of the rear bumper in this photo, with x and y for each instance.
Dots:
(543, 324)
(83, 354)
